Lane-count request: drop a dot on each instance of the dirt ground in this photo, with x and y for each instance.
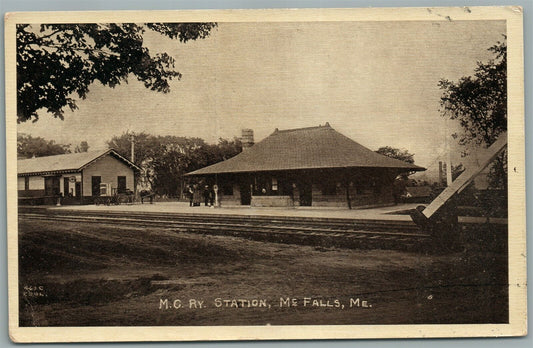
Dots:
(105, 275)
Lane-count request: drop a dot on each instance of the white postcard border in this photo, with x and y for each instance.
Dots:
(517, 215)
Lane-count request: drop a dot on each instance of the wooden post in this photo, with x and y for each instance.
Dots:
(251, 193)
(81, 188)
(347, 184)
(215, 189)
(348, 196)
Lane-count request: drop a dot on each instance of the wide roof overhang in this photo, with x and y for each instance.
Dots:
(305, 149)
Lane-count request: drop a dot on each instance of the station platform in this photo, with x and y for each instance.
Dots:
(390, 213)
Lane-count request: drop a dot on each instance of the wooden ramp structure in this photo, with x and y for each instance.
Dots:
(425, 216)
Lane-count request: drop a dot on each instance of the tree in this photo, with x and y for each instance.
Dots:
(180, 155)
(82, 147)
(165, 159)
(55, 62)
(28, 147)
(479, 103)
(176, 157)
(146, 147)
(402, 155)
(223, 150)
(401, 181)
(457, 170)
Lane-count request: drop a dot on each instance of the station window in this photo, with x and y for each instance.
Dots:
(26, 183)
(274, 184)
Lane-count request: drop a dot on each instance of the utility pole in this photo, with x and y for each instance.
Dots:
(132, 138)
(135, 174)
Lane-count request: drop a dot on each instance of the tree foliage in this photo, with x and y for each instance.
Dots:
(82, 147)
(56, 62)
(498, 172)
(165, 159)
(457, 170)
(28, 147)
(479, 103)
(399, 154)
(401, 180)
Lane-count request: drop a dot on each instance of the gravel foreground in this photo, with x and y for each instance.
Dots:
(105, 275)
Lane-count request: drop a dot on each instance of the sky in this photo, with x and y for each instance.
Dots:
(375, 82)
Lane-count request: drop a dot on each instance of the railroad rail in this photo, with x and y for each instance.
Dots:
(325, 232)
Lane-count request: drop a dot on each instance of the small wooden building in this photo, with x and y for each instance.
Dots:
(314, 166)
(75, 178)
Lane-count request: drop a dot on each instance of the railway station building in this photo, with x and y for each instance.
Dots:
(75, 178)
(315, 166)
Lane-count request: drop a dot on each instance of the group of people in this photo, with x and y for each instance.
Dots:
(196, 194)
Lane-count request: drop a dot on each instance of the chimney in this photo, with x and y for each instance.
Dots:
(247, 139)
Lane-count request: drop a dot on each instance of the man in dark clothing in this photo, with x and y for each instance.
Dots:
(190, 193)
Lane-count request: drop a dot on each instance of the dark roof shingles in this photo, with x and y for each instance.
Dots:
(305, 148)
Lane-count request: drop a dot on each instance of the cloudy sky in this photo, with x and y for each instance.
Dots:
(375, 82)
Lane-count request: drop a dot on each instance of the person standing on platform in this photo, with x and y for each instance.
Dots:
(197, 197)
(190, 193)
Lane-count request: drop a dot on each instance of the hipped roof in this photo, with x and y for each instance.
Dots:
(67, 163)
(305, 148)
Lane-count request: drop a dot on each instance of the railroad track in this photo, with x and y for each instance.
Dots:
(364, 234)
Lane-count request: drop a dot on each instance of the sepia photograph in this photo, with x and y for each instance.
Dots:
(265, 174)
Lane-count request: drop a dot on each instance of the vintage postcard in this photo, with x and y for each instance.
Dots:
(265, 174)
